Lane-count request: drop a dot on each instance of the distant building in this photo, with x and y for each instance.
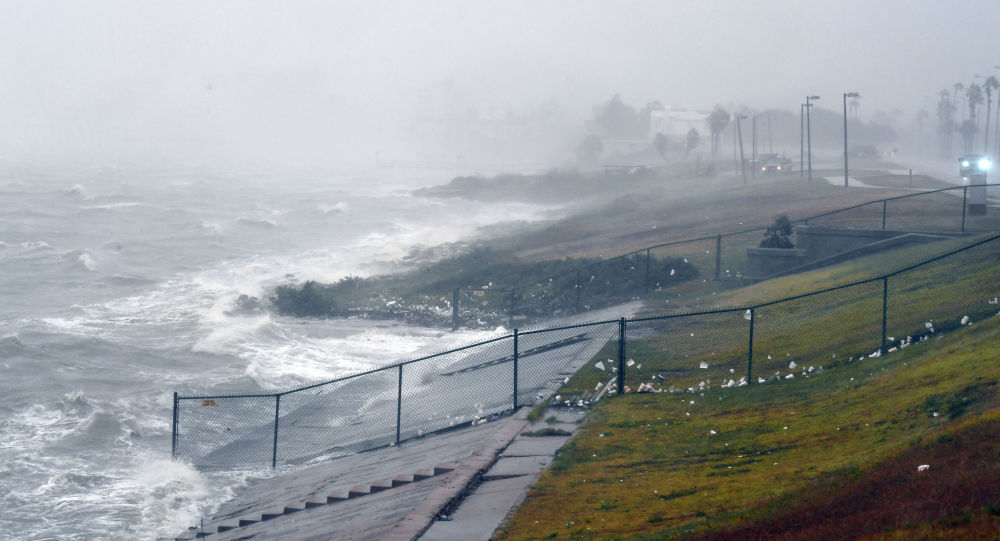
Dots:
(675, 123)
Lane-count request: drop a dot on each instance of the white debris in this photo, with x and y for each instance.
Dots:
(711, 432)
(558, 397)
(731, 383)
(703, 365)
(671, 272)
(760, 379)
(630, 362)
(732, 371)
(965, 320)
(747, 315)
(792, 365)
(923, 467)
(790, 376)
(599, 365)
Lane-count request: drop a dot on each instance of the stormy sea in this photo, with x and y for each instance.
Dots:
(120, 287)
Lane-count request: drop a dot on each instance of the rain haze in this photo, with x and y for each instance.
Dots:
(322, 82)
(208, 198)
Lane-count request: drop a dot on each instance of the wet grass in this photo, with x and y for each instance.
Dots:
(795, 458)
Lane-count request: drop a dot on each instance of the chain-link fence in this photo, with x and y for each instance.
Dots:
(781, 339)
(596, 284)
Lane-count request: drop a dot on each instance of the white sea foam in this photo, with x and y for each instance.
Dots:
(88, 261)
(338, 207)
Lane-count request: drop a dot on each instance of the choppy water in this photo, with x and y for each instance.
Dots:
(117, 289)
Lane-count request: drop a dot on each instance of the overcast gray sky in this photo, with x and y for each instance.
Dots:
(107, 80)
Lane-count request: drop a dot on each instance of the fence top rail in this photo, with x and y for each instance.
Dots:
(827, 289)
(217, 396)
(567, 327)
(798, 220)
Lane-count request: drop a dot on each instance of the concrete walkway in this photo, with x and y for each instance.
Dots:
(457, 485)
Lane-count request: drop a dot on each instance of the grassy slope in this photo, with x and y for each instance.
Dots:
(798, 457)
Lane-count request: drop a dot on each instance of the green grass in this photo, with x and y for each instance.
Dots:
(648, 466)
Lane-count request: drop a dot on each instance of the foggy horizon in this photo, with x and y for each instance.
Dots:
(314, 83)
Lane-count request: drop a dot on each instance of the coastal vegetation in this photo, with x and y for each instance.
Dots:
(883, 447)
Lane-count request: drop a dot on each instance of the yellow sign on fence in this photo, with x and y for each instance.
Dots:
(210, 402)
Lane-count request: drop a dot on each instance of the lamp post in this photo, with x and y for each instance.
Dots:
(753, 146)
(802, 139)
(739, 134)
(847, 95)
(809, 148)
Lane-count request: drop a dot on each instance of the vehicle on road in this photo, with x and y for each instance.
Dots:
(973, 164)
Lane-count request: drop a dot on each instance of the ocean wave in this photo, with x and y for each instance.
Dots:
(259, 223)
(336, 208)
(88, 261)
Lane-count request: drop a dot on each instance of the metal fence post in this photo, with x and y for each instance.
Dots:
(718, 255)
(621, 356)
(885, 311)
(510, 317)
(454, 310)
(647, 271)
(578, 288)
(515, 369)
(965, 192)
(274, 453)
(884, 201)
(173, 436)
(399, 404)
(750, 349)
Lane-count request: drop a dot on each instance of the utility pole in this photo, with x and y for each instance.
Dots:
(809, 135)
(739, 134)
(847, 95)
(802, 140)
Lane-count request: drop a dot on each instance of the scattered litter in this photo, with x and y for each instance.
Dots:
(792, 365)
(703, 365)
(599, 365)
(711, 432)
(790, 376)
(993, 300)
(935, 414)
(630, 362)
(747, 315)
(923, 467)
(965, 320)
(671, 272)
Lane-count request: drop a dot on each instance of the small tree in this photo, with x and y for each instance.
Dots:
(660, 144)
(777, 233)
(693, 138)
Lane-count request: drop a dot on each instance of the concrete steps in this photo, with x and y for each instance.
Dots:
(329, 498)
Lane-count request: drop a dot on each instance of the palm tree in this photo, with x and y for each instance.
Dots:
(968, 131)
(990, 85)
(946, 121)
(717, 121)
(958, 88)
(974, 97)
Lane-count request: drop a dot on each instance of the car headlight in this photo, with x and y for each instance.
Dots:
(984, 164)
(965, 163)
(763, 168)
(779, 168)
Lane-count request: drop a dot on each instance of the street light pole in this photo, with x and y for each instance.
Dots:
(847, 95)
(809, 148)
(739, 134)
(753, 146)
(802, 139)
